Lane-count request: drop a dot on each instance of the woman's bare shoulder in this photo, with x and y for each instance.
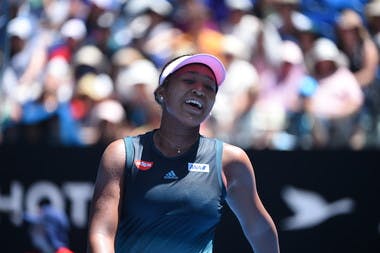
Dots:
(237, 167)
(114, 155)
(233, 153)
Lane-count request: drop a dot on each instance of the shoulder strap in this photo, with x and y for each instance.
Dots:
(219, 155)
(130, 153)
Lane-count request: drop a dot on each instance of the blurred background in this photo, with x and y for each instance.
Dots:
(302, 97)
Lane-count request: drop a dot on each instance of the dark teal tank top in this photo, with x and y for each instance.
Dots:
(170, 204)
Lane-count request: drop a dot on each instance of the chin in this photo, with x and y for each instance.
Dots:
(192, 121)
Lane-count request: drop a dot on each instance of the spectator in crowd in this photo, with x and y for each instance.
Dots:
(265, 51)
(72, 36)
(280, 88)
(281, 84)
(200, 33)
(21, 76)
(306, 32)
(100, 39)
(356, 42)
(337, 100)
(234, 97)
(123, 58)
(48, 118)
(134, 86)
(152, 29)
(239, 20)
(324, 13)
(98, 18)
(373, 17)
(283, 13)
(94, 89)
(109, 126)
(48, 229)
(89, 59)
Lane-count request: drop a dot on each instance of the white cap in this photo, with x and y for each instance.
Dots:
(141, 71)
(109, 110)
(287, 1)
(244, 5)
(325, 50)
(291, 52)
(20, 27)
(209, 60)
(302, 22)
(231, 44)
(58, 67)
(57, 12)
(107, 4)
(74, 28)
(89, 55)
(97, 87)
(372, 9)
(161, 7)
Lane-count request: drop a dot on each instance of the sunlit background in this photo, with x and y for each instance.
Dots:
(302, 96)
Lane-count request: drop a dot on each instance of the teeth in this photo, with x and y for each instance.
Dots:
(194, 102)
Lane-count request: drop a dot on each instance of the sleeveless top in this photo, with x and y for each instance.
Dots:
(170, 204)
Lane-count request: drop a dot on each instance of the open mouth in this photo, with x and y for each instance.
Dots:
(194, 103)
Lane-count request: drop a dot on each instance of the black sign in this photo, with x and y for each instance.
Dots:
(326, 201)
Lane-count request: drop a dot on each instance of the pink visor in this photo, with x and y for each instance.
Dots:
(209, 60)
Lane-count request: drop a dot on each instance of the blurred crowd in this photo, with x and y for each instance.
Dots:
(301, 74)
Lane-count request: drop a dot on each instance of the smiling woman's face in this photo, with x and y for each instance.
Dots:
(189, 94)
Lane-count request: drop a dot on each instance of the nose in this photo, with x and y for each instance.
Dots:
(198, 91)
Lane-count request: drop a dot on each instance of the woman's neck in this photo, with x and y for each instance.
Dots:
(173, 142)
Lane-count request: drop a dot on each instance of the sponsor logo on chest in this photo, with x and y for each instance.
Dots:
(143, 165)
(198, 167)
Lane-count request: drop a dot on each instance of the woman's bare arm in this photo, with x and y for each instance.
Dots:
(105, 207)
(244, 201)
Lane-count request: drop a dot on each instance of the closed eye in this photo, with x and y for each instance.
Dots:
(210, 87)
(189, 81)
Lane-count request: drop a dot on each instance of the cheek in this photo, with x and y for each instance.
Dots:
(172, 102)
(211, 102)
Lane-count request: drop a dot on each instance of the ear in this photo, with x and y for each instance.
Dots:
(158, 95)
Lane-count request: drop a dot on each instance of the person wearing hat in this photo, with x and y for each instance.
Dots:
(335, 104)
(163, 191)
(372, 14)
(356, 42)
(372, 11)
